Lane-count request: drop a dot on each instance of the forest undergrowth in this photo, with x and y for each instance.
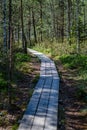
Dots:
(25, 76)
(72, 68)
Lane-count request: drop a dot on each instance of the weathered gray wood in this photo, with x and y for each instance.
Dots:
(41, 113)
(27, 120)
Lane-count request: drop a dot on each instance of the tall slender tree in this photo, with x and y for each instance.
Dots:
(4, 25)
(41, 19)
(69, 20)
(24, 40)
(10, 49)
(34, 25)
(77, 25)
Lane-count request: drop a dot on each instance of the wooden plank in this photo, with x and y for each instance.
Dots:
(27, 120)
(41, 113)
(40, 116)
(51, 117)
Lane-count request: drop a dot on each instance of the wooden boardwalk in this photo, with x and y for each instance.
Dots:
(42, 110)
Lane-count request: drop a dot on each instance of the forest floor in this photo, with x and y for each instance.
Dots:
(23, 91)
(72, 110)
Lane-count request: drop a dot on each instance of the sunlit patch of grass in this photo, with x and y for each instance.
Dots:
(22, 65)
(21, 59)
(43, 47)
(54, 48)
(25, 68)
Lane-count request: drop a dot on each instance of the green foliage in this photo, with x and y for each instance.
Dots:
(56, 49)
(82, 93)
(43, 47)
(21, 60)
(3, 82)
(74, 61)
(15, 126)
(78, 62)
(20, 57)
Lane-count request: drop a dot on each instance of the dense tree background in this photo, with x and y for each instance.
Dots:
(60, 26)
(36, 21)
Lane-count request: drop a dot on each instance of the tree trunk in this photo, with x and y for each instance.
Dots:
(69, 20)
(77, 26)
(41, 20)
(29, 27)
(61, 5)
(18, 33)
(34, 26)
(4, 26)
(62, 22)
(84, 19)
(53, 18)
(22, 24)
(24, 40)
(10, 49)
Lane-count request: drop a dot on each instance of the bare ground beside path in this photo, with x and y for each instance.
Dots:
(71, 116)
(23, 91)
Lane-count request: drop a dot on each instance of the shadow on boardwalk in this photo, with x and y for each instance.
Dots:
(42, 109)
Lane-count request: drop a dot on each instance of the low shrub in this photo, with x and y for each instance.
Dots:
(20, 57)
(3, 82)
(74, 61)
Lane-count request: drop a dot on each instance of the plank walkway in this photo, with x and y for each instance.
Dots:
(42, 110)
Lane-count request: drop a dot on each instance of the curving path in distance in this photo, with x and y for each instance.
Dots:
(42, 110)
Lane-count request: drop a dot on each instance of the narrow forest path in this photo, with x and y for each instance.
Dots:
(42, 110)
